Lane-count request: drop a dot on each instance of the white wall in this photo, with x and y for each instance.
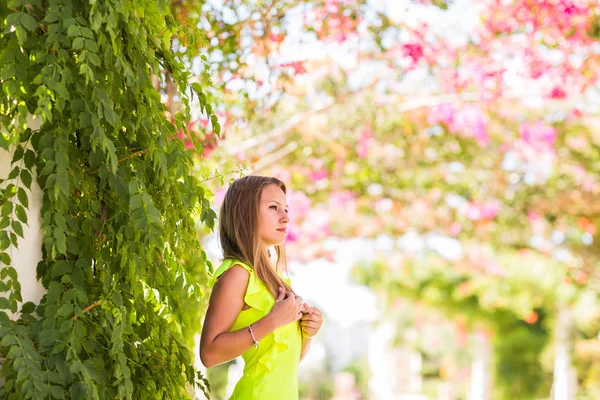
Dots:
(29, 251)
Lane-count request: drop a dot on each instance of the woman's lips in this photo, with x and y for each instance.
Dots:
(282, 230)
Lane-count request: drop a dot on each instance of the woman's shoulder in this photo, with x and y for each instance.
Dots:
(239, 270)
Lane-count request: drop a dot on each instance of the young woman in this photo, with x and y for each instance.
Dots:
(253, 311)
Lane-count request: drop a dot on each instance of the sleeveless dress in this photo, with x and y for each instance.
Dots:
(271, 370)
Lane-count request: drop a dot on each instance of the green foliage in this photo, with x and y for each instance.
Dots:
(517, 350)
(121, 262)
(500, 304)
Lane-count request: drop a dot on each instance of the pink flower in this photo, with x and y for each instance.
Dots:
(536, 221)
(469, 120)
(539, 135)
(483, 211)
(299, 204)
(455, 229)
(490, 209)
(281, 174)
(296, 66)
(276, 37)
(443, 113)
(316, 176)
(340, 199)
(291, 236)
(330, 22)
(414, 51)
(558, 93)
(316, 224)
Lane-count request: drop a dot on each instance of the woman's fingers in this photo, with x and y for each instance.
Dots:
(312, 317)
(310, 324)
(314, 310)
(281, 295)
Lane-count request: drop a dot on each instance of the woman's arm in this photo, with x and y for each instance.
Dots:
(218, 344)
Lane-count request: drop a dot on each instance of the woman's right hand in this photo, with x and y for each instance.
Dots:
(287, 309)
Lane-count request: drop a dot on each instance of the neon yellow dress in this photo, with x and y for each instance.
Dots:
(271, 370)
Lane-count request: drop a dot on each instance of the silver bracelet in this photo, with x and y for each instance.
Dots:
(253, 338)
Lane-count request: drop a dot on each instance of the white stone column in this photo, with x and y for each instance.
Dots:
(382, 363)
(480, 388)
(565, 377)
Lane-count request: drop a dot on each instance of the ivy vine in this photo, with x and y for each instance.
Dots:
(121, 262)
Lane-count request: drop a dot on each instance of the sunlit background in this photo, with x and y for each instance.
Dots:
(442, 166)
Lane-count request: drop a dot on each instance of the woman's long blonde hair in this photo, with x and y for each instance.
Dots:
(238, 230)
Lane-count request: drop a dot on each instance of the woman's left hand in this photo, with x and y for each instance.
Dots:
(311, 322)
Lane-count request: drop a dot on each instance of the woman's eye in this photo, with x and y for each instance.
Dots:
(273, 207)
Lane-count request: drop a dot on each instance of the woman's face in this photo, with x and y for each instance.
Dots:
(273, 216)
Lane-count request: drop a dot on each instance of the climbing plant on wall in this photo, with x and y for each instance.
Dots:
(120, 255)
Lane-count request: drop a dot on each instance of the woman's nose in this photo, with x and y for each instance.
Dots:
(284, 217)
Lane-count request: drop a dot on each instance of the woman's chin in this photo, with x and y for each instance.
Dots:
(276, 242)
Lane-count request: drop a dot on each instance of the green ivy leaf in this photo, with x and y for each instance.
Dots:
(18, 154)
(21, 214)
(52, 16)
(14, 173)
(117, 299)
(73, 30)
(13, 239)
(60, 268)
(60, 240)
(215, 124)
(26, 178)
(57, 392)
(28, 22)
(77, 43)
(13, 19)
(65, 310)
(28, 308)
(15, 3)
(17, 228)
(7, 209)
(4, 304)
(135, 202)
(60, 221)
(29, 159)
(5, 258)
(22, 196)
(4, 240)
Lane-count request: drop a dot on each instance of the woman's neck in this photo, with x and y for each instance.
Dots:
(272, 256)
